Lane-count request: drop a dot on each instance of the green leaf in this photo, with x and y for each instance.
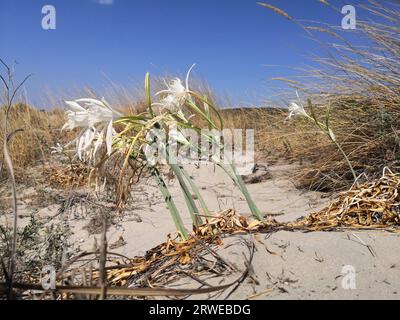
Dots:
(170, 203)
(148, 93)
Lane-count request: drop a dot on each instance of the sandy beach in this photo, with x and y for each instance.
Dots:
(285, 265)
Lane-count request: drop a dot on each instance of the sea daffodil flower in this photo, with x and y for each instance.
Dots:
(95, 117)
(176, 93)
(296, 109)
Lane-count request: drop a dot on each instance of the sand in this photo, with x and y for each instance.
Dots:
(297, 265)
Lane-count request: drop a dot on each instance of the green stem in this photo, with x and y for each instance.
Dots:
(346, 158)
(252, 205)
(196, 192)
(325, 128)
(194, 212)
(148, 94)
(237, 179)
(170, 204)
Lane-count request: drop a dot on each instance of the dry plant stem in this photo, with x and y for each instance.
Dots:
(11, 267)
(11, 92)
(370, 206)
(102, 260)
(130, 292)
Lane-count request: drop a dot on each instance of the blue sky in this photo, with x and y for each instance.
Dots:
(230, 41)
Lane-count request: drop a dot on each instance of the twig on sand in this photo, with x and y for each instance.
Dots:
(216, 255)
(252, 249)
(102, 260)
(362, 242)
(123, 291)
(258, 294)
(190, 275)
(317, 258)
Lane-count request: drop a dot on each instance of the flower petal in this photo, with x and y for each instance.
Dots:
(74, 106)
(109, 137)
(91, 101)
(177, 136)
(187, 76)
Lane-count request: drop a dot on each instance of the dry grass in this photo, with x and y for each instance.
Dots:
(40, 131)
(271, 130)
(361, 85)
(373, 205)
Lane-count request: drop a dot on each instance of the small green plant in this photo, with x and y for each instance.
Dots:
(39, 244)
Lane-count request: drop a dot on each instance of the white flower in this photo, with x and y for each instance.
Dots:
(84, 142)
(178, 145)
(77, 116)
(150, 151)
(176, 93)
(96, 118)
(170, 103)
(89, 142)
(58, 148)
(177, 89)
(296, 109)
(159, 150)
(93, 112)
(176, 136)
(155, 148)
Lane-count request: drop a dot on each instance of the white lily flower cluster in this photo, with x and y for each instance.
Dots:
(95, 117)
(175, 94)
